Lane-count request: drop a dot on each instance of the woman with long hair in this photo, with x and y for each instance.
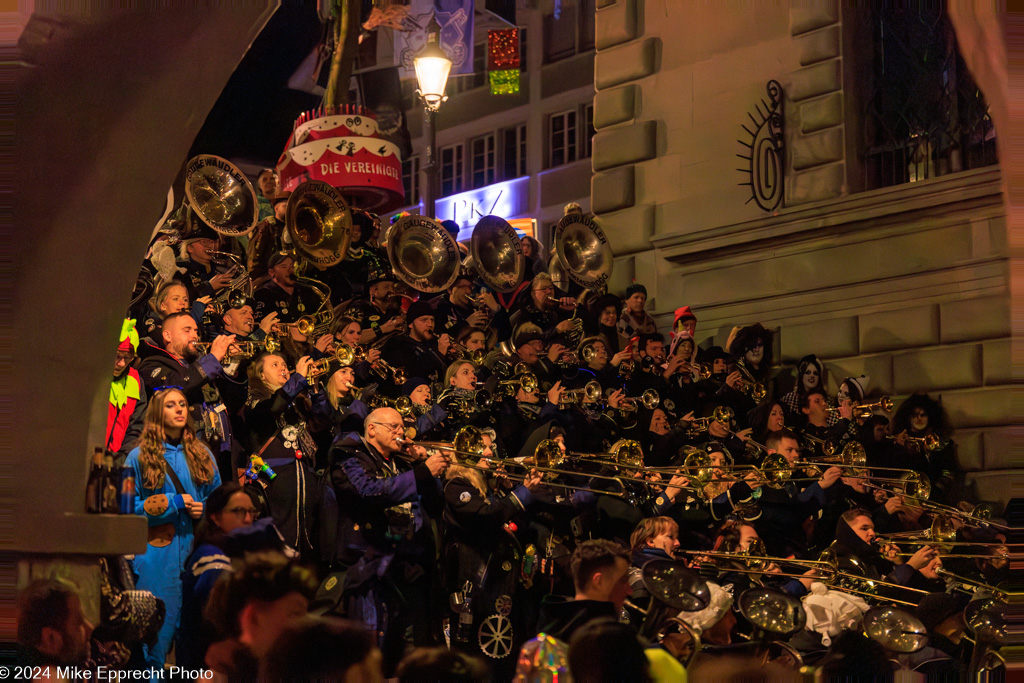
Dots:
(174, 475)
(277, 415)
(228, 507)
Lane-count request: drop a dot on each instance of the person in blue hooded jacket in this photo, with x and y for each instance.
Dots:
(174, 474)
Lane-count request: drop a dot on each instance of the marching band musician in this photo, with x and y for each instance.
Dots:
(419, 348)
(277, 413)
(482, 556)
(858, 553)
(634, 320)
(201, 274)
(269, 237)
(175, 361)
(388, 497)
(542, 308)
(281, 294)
(380, 313)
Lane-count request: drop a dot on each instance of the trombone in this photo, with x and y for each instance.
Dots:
(749, 384)
(721, 414)
(527, 381)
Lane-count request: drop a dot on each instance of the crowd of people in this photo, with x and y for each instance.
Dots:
(343, 474)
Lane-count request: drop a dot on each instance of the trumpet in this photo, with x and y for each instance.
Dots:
(527, 381)
(649, 399)
(397, 374)
(591, 393)
(701, 424)
(749, 384)
(927, 444)
(469, 402)
(244, 349)
(458, 351)
(828, 446)
(867, 410)
(348, 355)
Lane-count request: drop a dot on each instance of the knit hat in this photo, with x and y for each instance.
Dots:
(419, 309)
(277, 257)
(452, 227)
(683, 313)
(721, 602)
(413, 383)
(858, 386)
(935, 608)
(635, 288)
(129, 336)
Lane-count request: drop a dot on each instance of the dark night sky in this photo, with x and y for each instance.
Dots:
(254, 115)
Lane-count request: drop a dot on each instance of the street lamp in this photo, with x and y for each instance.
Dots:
(432, 68)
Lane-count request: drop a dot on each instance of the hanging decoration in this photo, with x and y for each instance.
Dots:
(503, 61)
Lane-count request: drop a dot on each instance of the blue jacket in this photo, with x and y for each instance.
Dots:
(162, 566)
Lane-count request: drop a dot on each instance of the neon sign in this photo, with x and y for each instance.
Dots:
(506, 199)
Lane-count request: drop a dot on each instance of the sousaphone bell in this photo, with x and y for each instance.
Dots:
(496, 254)
(583, 251)
(319, 222)
(424, 255)
(219, 195)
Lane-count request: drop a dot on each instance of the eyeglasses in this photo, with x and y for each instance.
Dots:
(389, 426)
(245, 512)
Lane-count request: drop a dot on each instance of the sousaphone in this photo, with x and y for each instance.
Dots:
(583, 251)
(320, 223)
(496, 254)
(220, 196)
(424, 255)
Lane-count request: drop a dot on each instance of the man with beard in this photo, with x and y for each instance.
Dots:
(380, 314)
(419, 350)
(282, 295)
(52, 629)
(127, 410)
(176, 362)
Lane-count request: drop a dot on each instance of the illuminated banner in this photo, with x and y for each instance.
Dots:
(508, 199)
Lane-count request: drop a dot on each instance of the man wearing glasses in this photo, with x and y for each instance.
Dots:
(387, 498)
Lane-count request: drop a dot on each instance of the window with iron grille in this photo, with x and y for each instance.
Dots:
(482, 160)
(514, 152)
(452, 181)
(925, 116)
(561, 138)
(411, 180)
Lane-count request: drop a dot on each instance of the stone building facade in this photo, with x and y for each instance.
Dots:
(906, 283)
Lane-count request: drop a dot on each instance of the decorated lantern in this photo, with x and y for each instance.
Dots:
(343, 147)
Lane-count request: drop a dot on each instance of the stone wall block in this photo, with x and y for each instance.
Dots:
(628, 62)
(625, 145)
(998, 450)
(899, 329)
(997, 365)
(615, 24)
(970, 319)
(877, 368)
(613, 190)
(630, 230)
(812, 15)
(970, 449)
(816, 149)
(617, 105)
(989, 407)
(818, 46)
(998, 485)
(821, 113)
(813, 81)
(815, 185)
(946, 367)
(825, 338)
(601, 4)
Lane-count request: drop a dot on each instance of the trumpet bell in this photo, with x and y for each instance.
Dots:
(320, 223)
(220, 195)
(650, 399)
(583, 251)
(588, 353)
(404, 406)
(698, 467)
(528, 381)
(916, 485)
(425, 255)
(497, 254)
(469, 440)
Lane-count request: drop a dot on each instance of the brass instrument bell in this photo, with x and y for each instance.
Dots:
(496, 254)
(320, 223)
(424, 254)
(895, 629)
(649, 399)
(583, 250)
(218, 194)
